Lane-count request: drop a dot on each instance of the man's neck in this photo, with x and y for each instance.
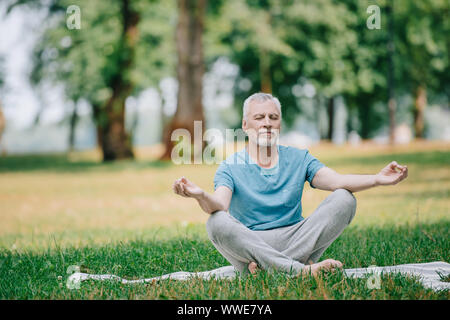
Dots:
(265, 157)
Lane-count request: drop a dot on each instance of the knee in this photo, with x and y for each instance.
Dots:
(216, 225)
(348, 200)
(346, 197)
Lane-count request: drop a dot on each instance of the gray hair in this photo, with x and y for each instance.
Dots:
(260, 97)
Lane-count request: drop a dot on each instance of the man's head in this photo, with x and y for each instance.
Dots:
(262, 115)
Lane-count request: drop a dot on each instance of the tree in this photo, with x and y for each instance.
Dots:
(391, 67)
(369, 60)
(423, 45)
(114, 138)
(250, 34)
(119, 50)
(190, 71)
(285, 44)
(324, 42)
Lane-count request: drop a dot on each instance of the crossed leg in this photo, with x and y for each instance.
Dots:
(288, 248)
(240, 245)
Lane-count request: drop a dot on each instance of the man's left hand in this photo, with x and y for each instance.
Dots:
(392, 174)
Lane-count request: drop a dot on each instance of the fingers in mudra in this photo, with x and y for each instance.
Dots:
(183, 190)
(393, 173)
(178, 188)
(183, 187)
(400, 171)
(394, 166)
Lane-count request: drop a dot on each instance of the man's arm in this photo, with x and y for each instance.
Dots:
(219, 200)
(328, 179)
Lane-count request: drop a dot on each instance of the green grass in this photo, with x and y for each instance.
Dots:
(58, 211)
(62, 163)
(29, 275)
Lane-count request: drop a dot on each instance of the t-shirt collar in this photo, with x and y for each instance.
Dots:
(249, 160)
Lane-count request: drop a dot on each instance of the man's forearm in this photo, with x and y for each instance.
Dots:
(209, 203)
(357, 182)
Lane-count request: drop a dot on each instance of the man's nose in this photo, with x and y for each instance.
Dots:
(267, 122)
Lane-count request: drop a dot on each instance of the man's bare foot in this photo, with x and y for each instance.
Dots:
(326, 265)
(252, 267)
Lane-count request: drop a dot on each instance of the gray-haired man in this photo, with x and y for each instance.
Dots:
(256, 212)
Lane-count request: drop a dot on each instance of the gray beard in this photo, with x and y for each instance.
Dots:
(264, 142)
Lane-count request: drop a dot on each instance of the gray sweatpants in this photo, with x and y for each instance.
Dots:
(285, 249)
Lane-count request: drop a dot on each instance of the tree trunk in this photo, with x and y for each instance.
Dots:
(420, 103)
(349, 121)
(264, 70)
(72, 126)
(390, 77)
(264, 62)
(116, 143)
(190, 70)
(330, 111)
(364, 116)
(392, 105)
(318, 109)
(163, 118)
(96, 112)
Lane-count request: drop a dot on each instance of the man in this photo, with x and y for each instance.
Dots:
(261, 187)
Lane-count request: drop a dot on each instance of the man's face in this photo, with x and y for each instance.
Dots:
(263, 123)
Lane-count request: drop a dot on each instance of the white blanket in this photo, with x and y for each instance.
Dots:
(429, 274)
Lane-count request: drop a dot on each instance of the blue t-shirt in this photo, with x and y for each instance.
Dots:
(267, 198)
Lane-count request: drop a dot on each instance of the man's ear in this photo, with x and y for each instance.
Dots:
(244, 124)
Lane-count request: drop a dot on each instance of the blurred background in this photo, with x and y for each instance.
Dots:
(85, 83)
(120, 76)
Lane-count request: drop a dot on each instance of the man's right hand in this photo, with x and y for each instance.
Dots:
(186, 188)
(219, 200)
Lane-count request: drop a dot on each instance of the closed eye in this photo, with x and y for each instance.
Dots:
(272, 116)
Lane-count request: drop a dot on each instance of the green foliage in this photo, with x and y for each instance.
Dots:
(422, 41)
(328, 44)
(277, 44)
(252, 34)
(321, 42)
(85, 60)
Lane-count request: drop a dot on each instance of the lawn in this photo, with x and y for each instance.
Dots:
(122, 218)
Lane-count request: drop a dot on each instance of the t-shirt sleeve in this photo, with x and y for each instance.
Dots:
(312, 166)
(223, 177)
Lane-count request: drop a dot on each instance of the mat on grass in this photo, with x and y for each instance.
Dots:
(429, 274)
